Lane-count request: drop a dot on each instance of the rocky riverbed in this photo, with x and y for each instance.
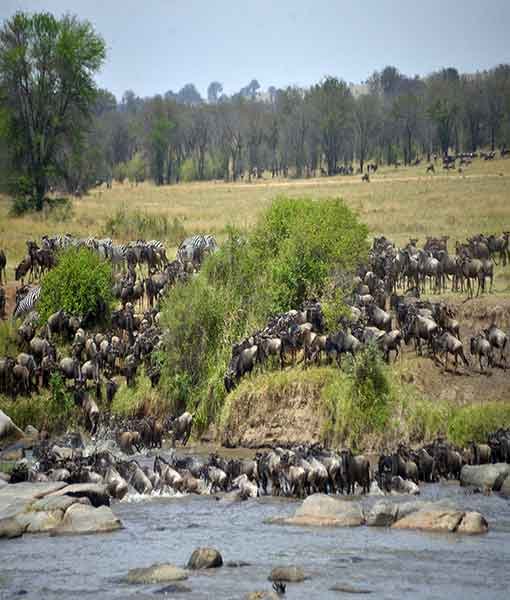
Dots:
(383, 561)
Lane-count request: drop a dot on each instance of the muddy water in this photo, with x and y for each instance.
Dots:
(390, 564)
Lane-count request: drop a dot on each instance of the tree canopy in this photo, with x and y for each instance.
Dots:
(47, 94)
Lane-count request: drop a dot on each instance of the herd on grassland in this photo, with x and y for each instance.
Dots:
(386, 309)
(298, 471)
(379, 315)
(97, 358)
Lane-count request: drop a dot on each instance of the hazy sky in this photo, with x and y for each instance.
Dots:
(157, 45)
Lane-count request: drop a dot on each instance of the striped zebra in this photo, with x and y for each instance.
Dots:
(194, 249)
(159, 249)
(27, 303)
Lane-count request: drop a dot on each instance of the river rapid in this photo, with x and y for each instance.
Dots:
(387, 563)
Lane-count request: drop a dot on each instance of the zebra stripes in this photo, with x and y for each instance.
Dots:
(196, 246)
(28, 302)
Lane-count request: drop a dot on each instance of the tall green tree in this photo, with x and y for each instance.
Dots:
(47, 92)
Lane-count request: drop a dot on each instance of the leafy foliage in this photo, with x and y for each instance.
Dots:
(289, 257)
(47, 94)
(80, 284)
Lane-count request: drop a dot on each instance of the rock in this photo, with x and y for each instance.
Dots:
(325, 511)
(175, 588)
(57, 503)
(97, 493)
(205, 558)
(31, 431)
(404, 486)
(10, 528)
(233, 564)
(16, 498)
(348, 589)
(473, 523)
(291, 573)
(383, 514)
(40, 521)
(431, 520)
(81, 519)
(484, 476)
(505, 487)
(262, 596)
(156, 574)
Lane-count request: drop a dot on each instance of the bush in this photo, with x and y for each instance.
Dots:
(8, 339)
(81, 284)
(289, 257)
(362, 403)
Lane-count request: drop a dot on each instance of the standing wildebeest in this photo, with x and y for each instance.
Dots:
(355, 469)
(445, 343)
(181, 428)
(498, 340)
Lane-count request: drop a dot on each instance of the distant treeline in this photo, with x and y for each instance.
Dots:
(295, 132)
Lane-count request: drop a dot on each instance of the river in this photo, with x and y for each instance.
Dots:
(389, 563)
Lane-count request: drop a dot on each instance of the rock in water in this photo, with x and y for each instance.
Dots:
(97, 493)
(81, 519)
(291, 574)
(205, 558)
(40, 521)
(404, 486)
(10, 528)
(431, 520)
(156, 574)
(484, 476)
(473, 523)
(325, 511)
(383, 514)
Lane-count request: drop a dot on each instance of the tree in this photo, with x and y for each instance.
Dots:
(333, 101)
(213, 92)
(367, 121)
(47, 68)
(407, 109)
(444, 104)
(250, 91)
(189, 95)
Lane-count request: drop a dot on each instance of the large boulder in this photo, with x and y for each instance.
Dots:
(484, 477)
(325, 511)
(473, 523)
(62, 503)
(97, 493)
(156, 574)
(289, 573)
(40, 521)
(431, 520)
(81, 519)
(205, 558)
(10, 528)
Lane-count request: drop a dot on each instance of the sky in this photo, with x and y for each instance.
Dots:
(160, 45)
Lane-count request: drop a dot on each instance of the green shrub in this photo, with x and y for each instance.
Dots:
(293, 253)
(81, 284)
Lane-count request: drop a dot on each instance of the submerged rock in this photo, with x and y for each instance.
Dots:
(404, 486)
(40, 521)
(505, 487)
(383, 514)
(10, 528)
(290, 573)
(160, 573)
(205, 558)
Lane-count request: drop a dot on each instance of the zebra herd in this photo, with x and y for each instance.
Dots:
(125, 258)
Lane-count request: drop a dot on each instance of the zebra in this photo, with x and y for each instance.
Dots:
(159, 249)
(117, 254)
(27, 303)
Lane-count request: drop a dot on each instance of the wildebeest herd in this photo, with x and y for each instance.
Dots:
(292, 472)
(382, 316)
(100, 358)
